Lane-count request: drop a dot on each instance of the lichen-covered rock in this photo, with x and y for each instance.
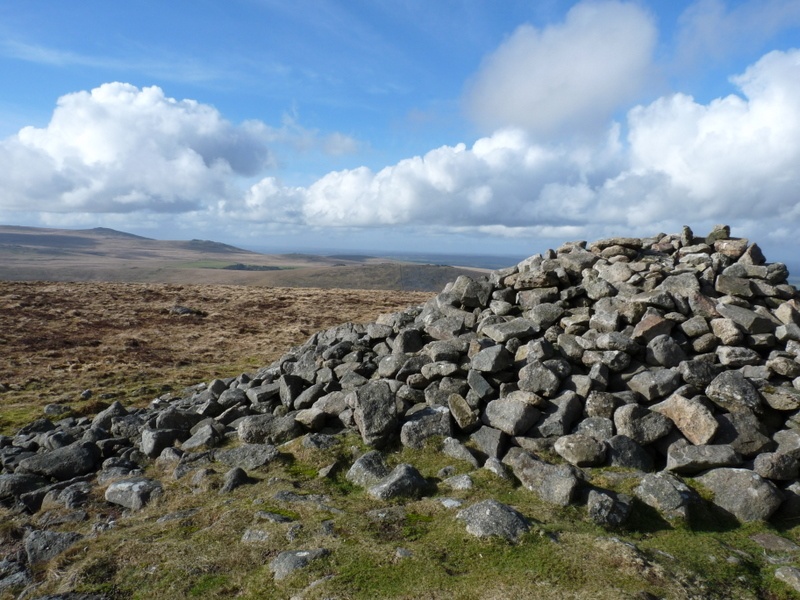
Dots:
(133, 493)
(493, 518)
(742, 493)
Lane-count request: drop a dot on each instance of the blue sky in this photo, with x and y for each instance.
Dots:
(449, 126)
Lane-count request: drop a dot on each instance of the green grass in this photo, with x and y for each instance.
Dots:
(564, 555)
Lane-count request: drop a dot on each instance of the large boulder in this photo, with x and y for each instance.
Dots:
(64, 463)
(375, 413)
(743, 493)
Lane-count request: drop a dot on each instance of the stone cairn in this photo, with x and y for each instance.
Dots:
(673, 356)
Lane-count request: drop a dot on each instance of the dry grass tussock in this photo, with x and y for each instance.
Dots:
(121, 340)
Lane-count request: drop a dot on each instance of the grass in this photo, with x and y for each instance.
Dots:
(564, 556)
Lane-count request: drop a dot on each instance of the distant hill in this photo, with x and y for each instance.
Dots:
(103, 254)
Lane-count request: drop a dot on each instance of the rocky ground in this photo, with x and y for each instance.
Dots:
(607, 420)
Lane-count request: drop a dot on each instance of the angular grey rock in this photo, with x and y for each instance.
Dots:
(692, 418)
(781, 398)
(154, 441)
(516, 328)
(727, 331)
(667, 494)
(622, 451)
(556, 484)
(744, 494)
(664, 351)
(426, 423)
(600, 404)
(408, 341)
(368, 470)
(750, 321)
(471, 293)
(458, 482)
(104, 417)
(493, 518)
(13, 485)
(133, 493)
(254, 536)
(788, 441)
(733, 392)
(247, 456)
(538, 379)
(492, 359)
(404, 480)
(581, 450)
(544, 315)
(205, 437)
(599, 428)
(641, 424)
(734, 357)
(492, 442)
(233, 479)
(268, 429)
(286, 563)
(775, 466)
(559, 415)
(655, 384)
(375, 413)
(455, 449)
(608, 509)
(690, 459)
(41, 546)
(744, 432)
(698, 373)
(463, 414)
(64, 463)
(513, 417)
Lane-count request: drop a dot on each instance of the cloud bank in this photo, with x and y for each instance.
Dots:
(731, 160)
(119, 149)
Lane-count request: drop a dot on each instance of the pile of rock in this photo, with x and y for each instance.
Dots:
(673, 356)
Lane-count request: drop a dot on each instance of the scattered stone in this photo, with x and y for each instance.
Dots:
(234, 478)
(286, 563)
(133, 493)
(368, 470)
(247, 456)
(404, 480)
(492, 518)
(41, 546)
(608, 509)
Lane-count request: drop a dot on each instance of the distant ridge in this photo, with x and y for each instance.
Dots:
(108, 232)
(209, 246)
(104, 254)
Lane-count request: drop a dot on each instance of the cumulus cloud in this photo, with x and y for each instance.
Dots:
(569, 76)
(711, 30)
(731, 160)
(119, 149)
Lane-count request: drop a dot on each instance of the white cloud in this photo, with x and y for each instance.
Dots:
(120, 149)
(711, 30)
(732, 160)
(569, 76)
